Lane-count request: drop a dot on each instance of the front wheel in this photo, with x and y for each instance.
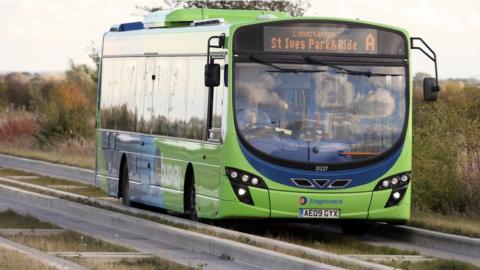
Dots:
(125, 191)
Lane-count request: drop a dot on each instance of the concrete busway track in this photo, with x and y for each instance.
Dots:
(179, 245)
(427, 242)
(184, 223)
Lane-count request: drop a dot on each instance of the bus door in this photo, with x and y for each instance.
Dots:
(145, 156)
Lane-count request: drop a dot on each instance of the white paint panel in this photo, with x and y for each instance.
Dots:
(191, 40)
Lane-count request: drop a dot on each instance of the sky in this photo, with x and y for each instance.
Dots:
(42, 35)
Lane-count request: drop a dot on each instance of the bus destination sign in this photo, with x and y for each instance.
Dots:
(320, 40)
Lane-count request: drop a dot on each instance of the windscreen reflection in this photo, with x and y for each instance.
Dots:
(317, 113)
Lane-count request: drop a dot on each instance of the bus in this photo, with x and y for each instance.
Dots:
(250, 114)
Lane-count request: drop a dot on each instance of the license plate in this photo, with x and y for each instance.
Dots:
(319, 213)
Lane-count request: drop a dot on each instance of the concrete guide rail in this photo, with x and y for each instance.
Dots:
(249, 257)
(84, 176)
(427, 242)
(32, 232)
(217, 230)
(431, 242)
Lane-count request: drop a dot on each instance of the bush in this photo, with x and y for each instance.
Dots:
(446, 151)
(17, 124)
(65, 112)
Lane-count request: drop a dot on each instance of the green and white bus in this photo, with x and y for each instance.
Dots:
(255, 114)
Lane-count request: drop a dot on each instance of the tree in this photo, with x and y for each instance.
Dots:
(94, 55)
(294, 8)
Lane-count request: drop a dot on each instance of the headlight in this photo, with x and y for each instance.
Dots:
(244, 178)
(398, 184)
(385, 183)
(241, 191)
(241, 181)
(395, 181)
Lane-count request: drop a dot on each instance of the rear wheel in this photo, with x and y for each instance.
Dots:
(125, 191)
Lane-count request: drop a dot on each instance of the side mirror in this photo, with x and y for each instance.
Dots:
(430, 89)
(212, 75)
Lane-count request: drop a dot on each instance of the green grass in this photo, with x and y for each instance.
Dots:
(454, 224)
(436, 264)
(68, 241)
(85, 190)
(9, 172)
(336, 243)
(13, 260)
(67, 153)
(48, 181)
(12, 220)
(155, 263)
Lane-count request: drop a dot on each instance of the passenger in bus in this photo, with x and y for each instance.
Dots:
(377, 101)
(334, 98)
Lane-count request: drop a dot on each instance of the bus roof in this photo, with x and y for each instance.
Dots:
(197, 16)
(187, 16)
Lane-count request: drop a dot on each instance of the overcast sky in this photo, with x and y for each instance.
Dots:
(41, 35)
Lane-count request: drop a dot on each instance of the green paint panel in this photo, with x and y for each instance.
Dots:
(173, 200)
(186, 16)
(379, 212)
(235, 209)
(351, 205)
(207, 207)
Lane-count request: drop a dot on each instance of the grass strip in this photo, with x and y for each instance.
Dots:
(68, 241)
(154, 263)
(459, 225)
(11, 220)
(436, 264)
(10, 259)
(84, 157)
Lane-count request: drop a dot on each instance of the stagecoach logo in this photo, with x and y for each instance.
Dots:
(304, 200)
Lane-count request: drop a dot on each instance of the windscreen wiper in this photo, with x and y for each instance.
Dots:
(348, 71)
(281, 69)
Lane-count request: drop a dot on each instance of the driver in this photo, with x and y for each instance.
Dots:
(258, 92)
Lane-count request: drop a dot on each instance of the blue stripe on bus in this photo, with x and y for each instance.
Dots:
(359, 176)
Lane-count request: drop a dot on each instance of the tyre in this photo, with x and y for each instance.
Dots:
(192, 200)
(125, 185)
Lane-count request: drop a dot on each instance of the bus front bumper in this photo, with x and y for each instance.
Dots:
(369, 205)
